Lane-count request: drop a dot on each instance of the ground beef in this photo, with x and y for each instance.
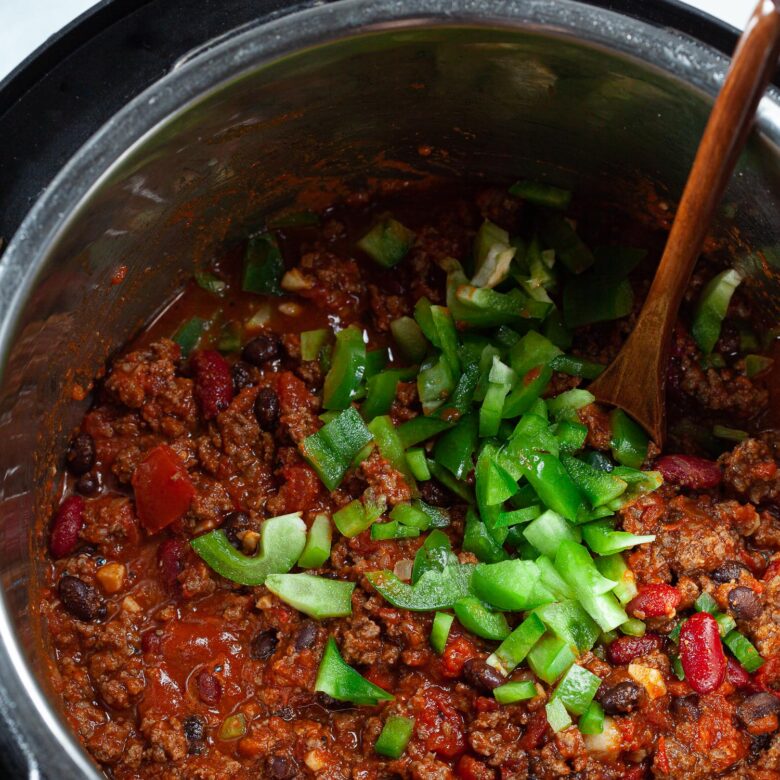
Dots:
(751, 470)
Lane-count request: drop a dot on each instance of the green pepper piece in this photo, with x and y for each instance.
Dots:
(455, 448)
(556, 330)
(603, 539)
(549, 658)
(548, 531)
(729, 434)
(394, 737)
(347, 369)
(526, 392)
(434, 590)
(439, 517)
(417, 463)
(576, 366)
(532, 350)
(189, 334)
(483, 307)
(357, 515)
(566, 405)
(549, 577)
(282, 540)
(574, 564)
(421, 428)
(331, 450)
(541, 194)
(571, 436)
(586, 301)
(210, 283)
(757, 364)
(388, 242)
(501, 379)
(380, 391)
(460, 489)
(551, 481)
(233, 727)
(393, 530)
(512, 692)
(743, 651)
(534, 433)
(577, 689)
(712, 307)
(616, 262)
(478, 540)
(592, 720)
(410, 339)
(411, 516)
(231, 337)
(633, 627)
(435, 383)
(513, 650)
(557, 233)
(519, 516)
(440, 630)
(318, 542)
(613, 567)
(318, 597)
(447, 336)
(512, 585)
(391, 448)
(341, 682)
(492, 254)
(263, 266)
(494, 484)
(726, 623)
(629, 442)
(479, 620)
(376, 360)
(459, 402)
(570, 622)
(599, 487)
(434, 555)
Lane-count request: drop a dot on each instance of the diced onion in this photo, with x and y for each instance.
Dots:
(604, 745)
(403, 569)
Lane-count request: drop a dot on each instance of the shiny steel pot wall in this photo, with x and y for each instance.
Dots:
(345, 93)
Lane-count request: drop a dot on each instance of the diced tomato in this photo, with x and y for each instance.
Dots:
(456, 653)
(656, 600)
(439, 725)
(767, 678)
(300, 489)
(661, 760)
(534, 731)
(163, 489)
(772, 571)
(469, 768)
(485, 704)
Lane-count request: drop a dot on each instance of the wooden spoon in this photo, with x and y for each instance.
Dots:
(636, 380)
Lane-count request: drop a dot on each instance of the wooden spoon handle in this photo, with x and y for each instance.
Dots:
(640, 368)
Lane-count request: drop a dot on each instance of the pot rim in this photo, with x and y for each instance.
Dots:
(195, 78)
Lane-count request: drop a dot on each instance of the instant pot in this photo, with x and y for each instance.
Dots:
(148, 134)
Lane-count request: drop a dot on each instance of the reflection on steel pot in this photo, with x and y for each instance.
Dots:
(286, 111)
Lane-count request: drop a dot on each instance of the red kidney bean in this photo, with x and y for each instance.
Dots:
(213, 382)
(67, 525)
(209, 688)
(656, 600)
(170, 559)
(689, 471)
(626, 649)
(151, 642)
(701, 653)
(736, 675)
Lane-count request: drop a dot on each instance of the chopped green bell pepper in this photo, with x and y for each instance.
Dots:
(418, 465)
(541, 194)
(263, 266)
(282, 540)
(712, 307)
(530, 351)
(388, 242)
(598, 486)
(548, 531)
(586, 301)
(318, 597)
(557, 233)
(475, 617)
(380, 391)
(435, 554)
(422, 428)
(501, 379)
(513, 650)
(318, 542)
(356, 516)
(550, 658)
(603, 539)
(512, 692)
(569, 621)
(331, 450)
(435, 382)
(743, 651)
(312, 342)
(348, 366)
(526, 392)
(440, 630)
(512, 585)
(566, 405)
(553, 581)
(210, 283)
(633, 627)
(189, 334)
(557, 716)
(410, 339)
(455, 448)
(394, 737)
(592, 720)
(341, 682)
(391, 448)
(613, 567)
(412, 516)
(478, 540)
(576, 366)
(757, 364)
(434, 590)
(393, 530)
(629, 442)
(577, 689)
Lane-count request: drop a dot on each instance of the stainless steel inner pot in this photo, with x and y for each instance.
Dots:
(544, 88)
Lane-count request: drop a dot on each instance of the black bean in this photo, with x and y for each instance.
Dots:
(306, 635)
(80, 599)
(728, 571)
(281, 767)
(242, 376)
(264, 645)
(81, 454)
(286, 713)
(758, 744)
(267, 409)
(261, 350)
(757, 707)
(481, 675)
(619, 699)
(687, 707)
(88, 484)
(435, 494)
(236, 523)
(744, 603)
(329, 703)
(194, 728)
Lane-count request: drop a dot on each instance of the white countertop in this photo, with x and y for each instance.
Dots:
(26, 24)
